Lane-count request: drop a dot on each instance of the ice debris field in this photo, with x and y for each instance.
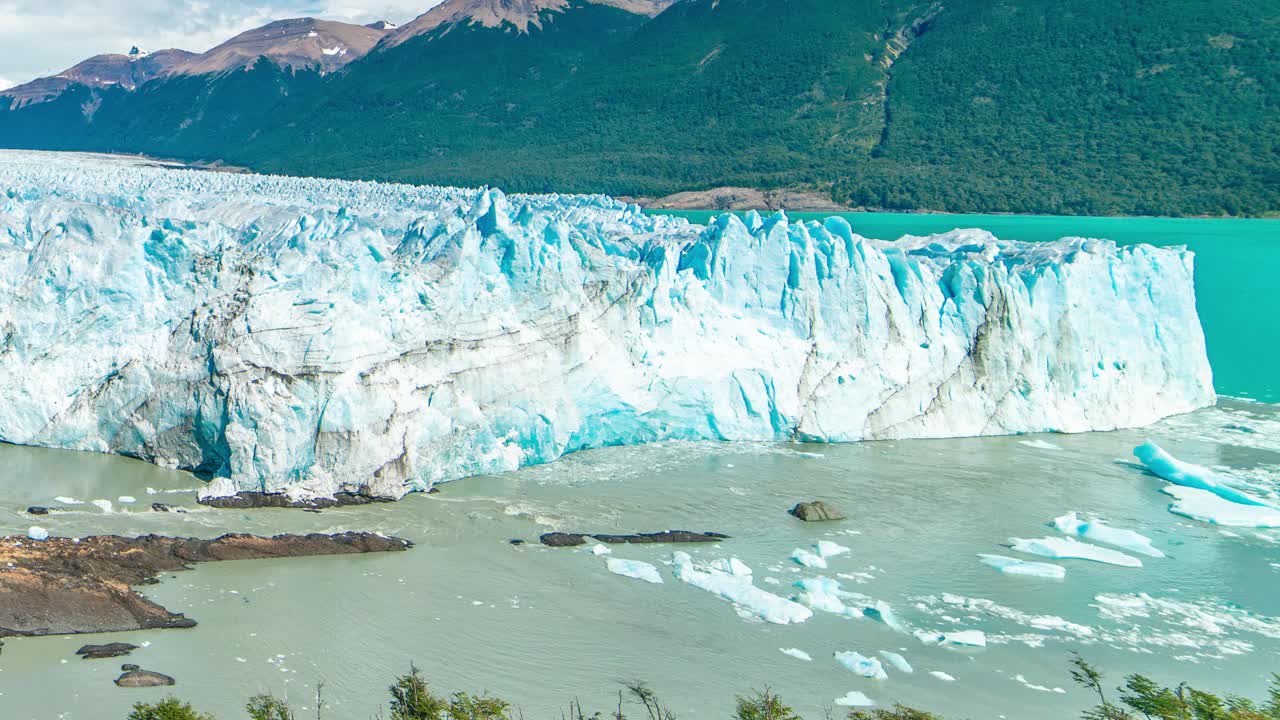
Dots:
(317, 336)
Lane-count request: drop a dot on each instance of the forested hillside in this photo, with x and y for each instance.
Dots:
(1056, 106)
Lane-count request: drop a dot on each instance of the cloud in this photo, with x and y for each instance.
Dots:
(44, 37)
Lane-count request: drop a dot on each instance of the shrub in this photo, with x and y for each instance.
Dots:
(168, 709)
(267, 707)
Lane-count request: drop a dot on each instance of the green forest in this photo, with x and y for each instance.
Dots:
(1127, 107)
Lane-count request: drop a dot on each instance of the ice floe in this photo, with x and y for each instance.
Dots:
(1068, 548)
(796, 653)
(599, 549)
(827, 549)
(64, 500)
(809, 559)
(853, 698)
(1190, 475)
(634, 569)
(103, 505)
(942, 676)
(898, 662)
(1039, 444)
(1098, 531)
(867, 667)
(825, 595)
(35, 532)
(738, 590)
(1015, 566)
(1022, 680)
(1211, 508)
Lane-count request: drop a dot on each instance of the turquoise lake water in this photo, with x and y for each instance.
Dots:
(1237, 275)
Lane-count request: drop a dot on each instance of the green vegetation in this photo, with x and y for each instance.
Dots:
(412, 699)
(1080, 107)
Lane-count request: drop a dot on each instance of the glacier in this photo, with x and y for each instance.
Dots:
(316, 336)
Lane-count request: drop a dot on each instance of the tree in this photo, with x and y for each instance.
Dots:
(168, 709)
(411, 699)
(267, 707)
(763, 705)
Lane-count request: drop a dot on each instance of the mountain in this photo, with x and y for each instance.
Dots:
(1037, 106)
(100, 71)
(296, 43)
(518, 14)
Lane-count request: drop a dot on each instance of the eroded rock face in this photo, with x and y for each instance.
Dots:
(61, 586)
(317, 337)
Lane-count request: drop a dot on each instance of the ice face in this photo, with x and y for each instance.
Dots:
(317, 336)
(1098, 531)
(1069, 549)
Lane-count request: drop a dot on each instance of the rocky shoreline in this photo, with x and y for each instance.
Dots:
(67, 586)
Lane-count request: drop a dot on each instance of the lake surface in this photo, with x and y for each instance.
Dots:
(542, 627)
(1237, 274)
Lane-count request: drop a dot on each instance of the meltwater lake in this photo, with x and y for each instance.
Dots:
(543, 627)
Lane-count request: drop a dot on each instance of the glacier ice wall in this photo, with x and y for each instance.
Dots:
(319, 336)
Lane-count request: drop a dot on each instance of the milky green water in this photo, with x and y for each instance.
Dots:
(1237, 275)
(541, 627)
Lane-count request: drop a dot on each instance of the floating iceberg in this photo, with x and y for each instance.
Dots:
(1071, 549)
(808, 558)
(1098, 531)
(862, 665)
(884, 613)
(853, 698)
(942, 676)
(825, 595)
(35, 532)
(320, 336)
(1014, 566)
(1209, 507)
(739, 591)
(600, 549)
(967, 638)
(634, 569)
(897, 661)
(1190, 475)
(796, 653)
(733, 566)
(827, 549)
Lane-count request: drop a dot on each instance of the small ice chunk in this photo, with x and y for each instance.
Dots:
(827, 549)
(1040, 444)
(740, 591)
(970, 638)
(732, 566)
(862, 665)
(1210, 508)
(1042, 688)
(68, 500)
(884, 613)
(1098, 531)
(1070, 548)
(897, 661)
(796, 653)
(854, 699)
(635, 569)
(808, 559)
(942, 676)
(599, 549)
(104, 505)
(35, 532)
(823, 593)
(1015, 566)
(126, 499)
(1199, 477)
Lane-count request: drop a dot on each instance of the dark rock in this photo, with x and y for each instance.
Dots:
(667, 536)
(563, 540)
(250, 500)
(128, 667)
(37, 510)
(816, 511)
(101, 652)
(63, 587)
(516, 541)
(434, 490)
(144, 679)
(160, 507)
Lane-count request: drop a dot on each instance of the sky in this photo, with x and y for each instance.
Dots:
(45, 37)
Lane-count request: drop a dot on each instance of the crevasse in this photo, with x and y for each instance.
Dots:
(316, 336)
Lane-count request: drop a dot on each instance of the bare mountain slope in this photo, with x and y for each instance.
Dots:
(494, 13)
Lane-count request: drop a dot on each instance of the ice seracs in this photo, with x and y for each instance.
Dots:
(319, 336)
